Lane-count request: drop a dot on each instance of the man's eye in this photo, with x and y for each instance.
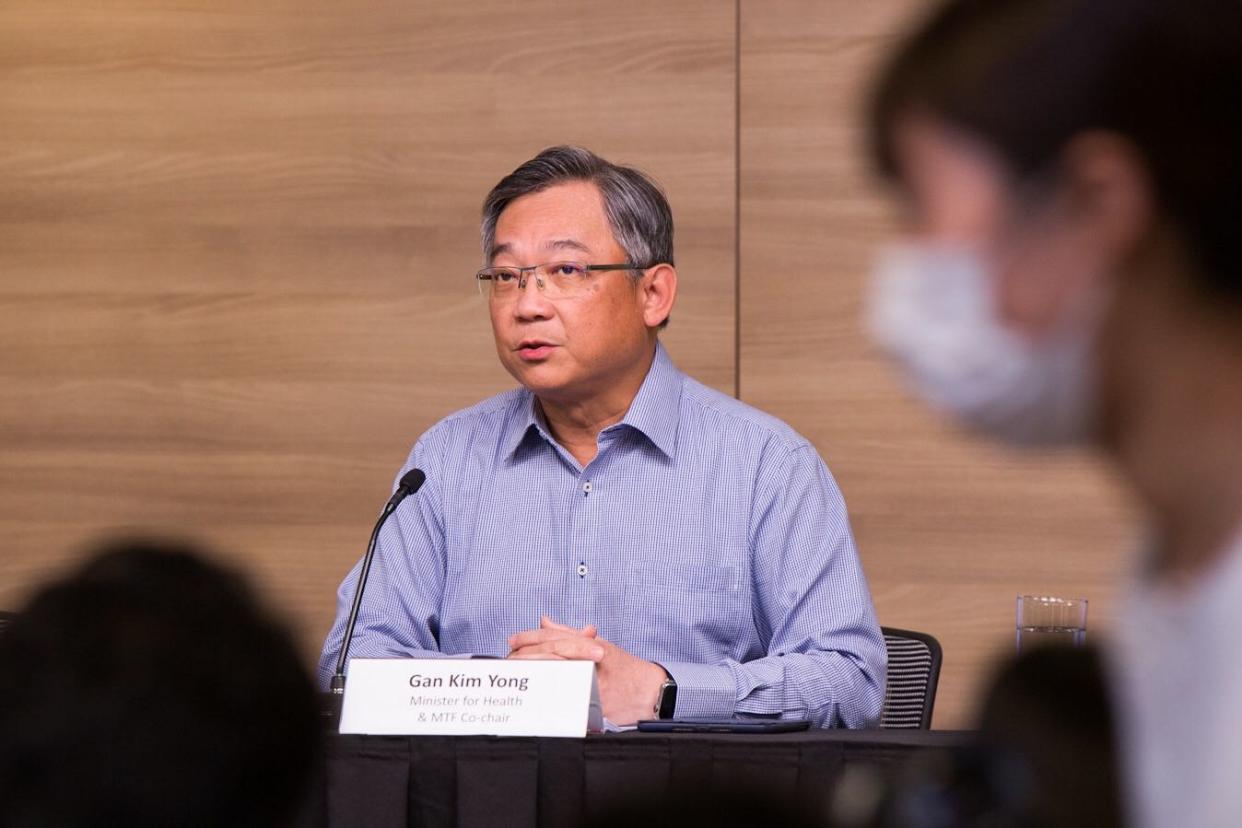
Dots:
(503, 277)
(570, 269)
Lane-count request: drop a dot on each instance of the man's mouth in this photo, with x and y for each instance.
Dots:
(534, 349)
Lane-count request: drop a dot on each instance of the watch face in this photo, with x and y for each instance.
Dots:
(668, 700)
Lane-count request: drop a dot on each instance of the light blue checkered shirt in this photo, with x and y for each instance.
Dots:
(705, 536)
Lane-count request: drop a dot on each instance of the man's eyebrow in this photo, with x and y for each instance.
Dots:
(555, 244)
(567, 244)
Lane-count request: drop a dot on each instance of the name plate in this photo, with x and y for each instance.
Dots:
(474, 697)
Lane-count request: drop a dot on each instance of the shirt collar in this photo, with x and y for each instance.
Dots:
(654, 413)
(526, 421)
(656, 409)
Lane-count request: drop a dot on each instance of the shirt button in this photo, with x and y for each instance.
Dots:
(586, 487)
(582, 570)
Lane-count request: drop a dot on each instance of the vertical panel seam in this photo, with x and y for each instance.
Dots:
(737, 199)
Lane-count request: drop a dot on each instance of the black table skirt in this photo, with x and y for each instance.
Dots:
(487, 781)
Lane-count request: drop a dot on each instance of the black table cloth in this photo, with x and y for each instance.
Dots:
(486, 781)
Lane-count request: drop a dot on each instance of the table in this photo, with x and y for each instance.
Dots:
(379, 781)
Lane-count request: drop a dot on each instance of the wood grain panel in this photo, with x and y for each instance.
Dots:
(235, 247)
(949, 529)
(236, 243)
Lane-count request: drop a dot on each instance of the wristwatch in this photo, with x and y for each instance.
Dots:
(666, 701)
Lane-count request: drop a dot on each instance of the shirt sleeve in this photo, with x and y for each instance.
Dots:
(826, 658)
(400, 612)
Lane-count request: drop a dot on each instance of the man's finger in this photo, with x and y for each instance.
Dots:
(546, 623)
(575, 647)
(536, 657)
(545, 648)
(528, 637)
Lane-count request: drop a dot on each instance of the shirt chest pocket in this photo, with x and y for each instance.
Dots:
(692, 611)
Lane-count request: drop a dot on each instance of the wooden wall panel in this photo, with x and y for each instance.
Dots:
(236, 243)
(949, 529)
(235, 247)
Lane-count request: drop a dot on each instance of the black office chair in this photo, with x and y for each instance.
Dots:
(913, 671)
(6, 618)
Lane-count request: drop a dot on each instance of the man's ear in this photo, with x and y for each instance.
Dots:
(657, 292)
(1112, 193)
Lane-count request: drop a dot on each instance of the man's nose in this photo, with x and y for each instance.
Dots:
(530, 302)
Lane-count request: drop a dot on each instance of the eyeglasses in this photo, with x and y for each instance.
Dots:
(557, 280)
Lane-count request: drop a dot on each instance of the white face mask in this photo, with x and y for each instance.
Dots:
(932, 309)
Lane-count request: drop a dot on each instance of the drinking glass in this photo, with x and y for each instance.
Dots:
(1046, 619)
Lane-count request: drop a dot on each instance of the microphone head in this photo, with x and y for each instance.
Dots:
(412, 480)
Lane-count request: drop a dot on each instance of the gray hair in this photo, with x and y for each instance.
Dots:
(636, 208)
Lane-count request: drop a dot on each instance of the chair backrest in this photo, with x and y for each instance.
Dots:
(913, 671)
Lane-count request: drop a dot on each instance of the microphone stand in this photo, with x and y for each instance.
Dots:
(410, 483)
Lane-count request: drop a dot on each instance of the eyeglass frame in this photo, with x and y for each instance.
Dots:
(522, 278)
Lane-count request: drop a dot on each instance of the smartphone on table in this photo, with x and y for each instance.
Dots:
(708, 725)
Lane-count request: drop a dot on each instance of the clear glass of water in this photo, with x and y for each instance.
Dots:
(1046, 619)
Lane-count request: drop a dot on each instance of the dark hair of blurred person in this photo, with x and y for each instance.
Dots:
(1048, 711)
(1033, 79)
(713, 806)
(1042, 754)
(1070, 275)
(149, 687)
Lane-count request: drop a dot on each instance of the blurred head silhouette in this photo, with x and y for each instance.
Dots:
(149, 687)
(1071, 183)
(711, 806)
(1069, 274)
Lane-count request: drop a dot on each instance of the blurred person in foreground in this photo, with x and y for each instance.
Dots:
(150, 688)
(1073, 183)
(737, 805)
(1041, 753)
(612, 508)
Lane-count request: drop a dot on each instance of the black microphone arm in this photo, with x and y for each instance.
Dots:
(410, 483)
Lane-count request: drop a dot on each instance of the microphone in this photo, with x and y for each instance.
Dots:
(410, 483)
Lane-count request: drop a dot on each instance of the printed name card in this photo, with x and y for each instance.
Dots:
(455, 697)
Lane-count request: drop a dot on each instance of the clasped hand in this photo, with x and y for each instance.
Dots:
(628, 685)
